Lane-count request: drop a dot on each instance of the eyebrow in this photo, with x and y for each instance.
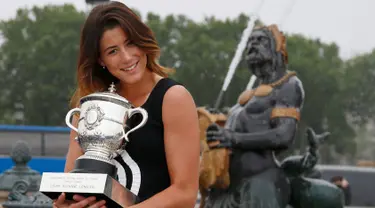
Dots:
(110, 47)
(114, 46)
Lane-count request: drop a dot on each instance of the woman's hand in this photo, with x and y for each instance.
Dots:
(78, 202)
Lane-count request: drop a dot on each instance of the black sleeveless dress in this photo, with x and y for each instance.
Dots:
(142, 168)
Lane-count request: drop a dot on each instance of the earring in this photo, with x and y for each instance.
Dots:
(103, 67)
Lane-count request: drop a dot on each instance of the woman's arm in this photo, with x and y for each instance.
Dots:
(181, 140)
(74, 150)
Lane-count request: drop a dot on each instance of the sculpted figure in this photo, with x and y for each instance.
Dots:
(307, 189)
(262, 124)
(214, 164)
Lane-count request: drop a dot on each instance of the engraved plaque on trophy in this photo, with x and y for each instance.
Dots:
(101, 135)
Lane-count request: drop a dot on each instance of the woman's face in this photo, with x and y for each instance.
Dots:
(121, 57)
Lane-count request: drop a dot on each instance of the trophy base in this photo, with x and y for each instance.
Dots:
(87, 165)
(87, 184)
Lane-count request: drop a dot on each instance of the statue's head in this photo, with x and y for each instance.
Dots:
(266, 51)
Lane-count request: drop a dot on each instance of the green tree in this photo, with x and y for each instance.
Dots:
(38, 61)
(320, 69)
(357, 84)
(358, 99)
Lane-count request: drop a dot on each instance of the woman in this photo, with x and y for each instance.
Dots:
(117, 47)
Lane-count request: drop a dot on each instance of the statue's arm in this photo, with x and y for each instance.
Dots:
(283, 121)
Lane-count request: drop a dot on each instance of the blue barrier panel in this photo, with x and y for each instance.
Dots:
(5, 163)
(41, 164)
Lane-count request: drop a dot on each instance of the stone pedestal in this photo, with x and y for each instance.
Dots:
(19, 185)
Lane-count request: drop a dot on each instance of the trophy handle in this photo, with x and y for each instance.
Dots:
(69, 116)
(130, 113)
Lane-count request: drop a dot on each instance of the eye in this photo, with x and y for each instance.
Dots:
(113, 51)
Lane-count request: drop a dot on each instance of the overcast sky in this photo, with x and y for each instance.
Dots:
(349, 23)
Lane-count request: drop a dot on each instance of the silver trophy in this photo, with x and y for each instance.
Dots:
(101, 135)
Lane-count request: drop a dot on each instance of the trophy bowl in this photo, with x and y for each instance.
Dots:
(101, 136)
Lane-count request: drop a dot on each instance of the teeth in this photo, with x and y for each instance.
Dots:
(130, 68)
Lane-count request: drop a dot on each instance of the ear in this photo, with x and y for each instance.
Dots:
(101, 62)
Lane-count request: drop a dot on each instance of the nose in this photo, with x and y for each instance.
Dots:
(125, 54)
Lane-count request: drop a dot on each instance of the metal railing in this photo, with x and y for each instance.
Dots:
(43, 140)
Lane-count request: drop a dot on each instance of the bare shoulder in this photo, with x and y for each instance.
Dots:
(178, 107)
(178, 95)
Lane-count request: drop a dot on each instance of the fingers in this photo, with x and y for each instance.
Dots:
(89, 202)
(98, 204)
(78, 198)
(218, 145)
(221, 145)
(215, 139)
(84, 203)
(213, 144)
(93, 204)
(213, 134)
(81, 202)
(60, 200)
(213, 127)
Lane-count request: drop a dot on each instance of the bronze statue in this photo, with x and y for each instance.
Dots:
(239, 166)
(260, 126)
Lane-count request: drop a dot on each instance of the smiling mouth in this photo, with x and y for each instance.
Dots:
(130, 68)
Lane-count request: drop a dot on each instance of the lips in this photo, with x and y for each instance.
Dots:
(130, 67)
